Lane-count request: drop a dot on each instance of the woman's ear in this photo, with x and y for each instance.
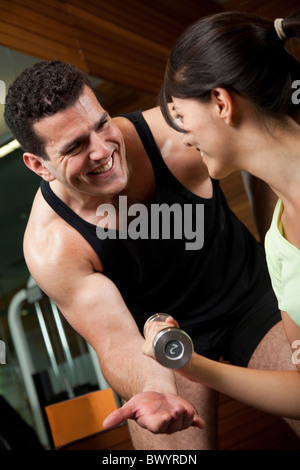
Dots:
(223, 104)
(38, 166)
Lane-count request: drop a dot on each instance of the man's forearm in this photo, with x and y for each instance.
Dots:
(130, 372)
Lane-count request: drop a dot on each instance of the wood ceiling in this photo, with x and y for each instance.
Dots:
(124, 41)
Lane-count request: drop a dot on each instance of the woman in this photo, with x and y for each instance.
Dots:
(228, 88)
(231, 89)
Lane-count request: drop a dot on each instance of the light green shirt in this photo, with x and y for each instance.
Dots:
(283, 261)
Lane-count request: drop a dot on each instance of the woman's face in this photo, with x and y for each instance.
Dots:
(205, 129)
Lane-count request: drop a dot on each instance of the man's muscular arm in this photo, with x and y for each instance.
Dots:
(93, 306)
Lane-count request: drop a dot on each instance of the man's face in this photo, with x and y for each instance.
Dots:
(85, 148)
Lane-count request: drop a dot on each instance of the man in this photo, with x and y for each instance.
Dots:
(87, 248)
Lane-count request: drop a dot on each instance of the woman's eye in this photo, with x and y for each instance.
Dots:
(102, 125)
(179, 119)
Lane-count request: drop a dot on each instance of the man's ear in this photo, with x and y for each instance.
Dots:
(37, 165)
(224, 104)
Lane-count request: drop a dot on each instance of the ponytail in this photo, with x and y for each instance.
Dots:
(291, 26)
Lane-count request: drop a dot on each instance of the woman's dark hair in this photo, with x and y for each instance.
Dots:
(41, 90)
(239, 52)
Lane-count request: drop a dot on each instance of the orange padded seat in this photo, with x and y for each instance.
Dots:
(79, 417)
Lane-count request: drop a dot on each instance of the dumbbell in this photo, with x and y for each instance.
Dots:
(172, 346)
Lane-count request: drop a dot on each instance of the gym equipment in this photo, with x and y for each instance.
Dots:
(172, 347)
(49, 376)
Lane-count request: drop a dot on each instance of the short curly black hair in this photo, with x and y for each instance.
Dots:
(41, 90)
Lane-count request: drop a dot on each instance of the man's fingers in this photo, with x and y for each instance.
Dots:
(198, 422)
(117, 417)
(161, 414)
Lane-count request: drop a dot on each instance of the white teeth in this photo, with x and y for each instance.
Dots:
(104, 168)
(201, 153)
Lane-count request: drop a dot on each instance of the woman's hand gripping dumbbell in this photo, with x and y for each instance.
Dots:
(171, 346)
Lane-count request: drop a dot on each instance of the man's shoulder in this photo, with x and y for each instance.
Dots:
(156, 122)
(184, 162)
(43, 223)
(51, 245)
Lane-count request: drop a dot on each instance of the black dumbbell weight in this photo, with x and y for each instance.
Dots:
(172, 347)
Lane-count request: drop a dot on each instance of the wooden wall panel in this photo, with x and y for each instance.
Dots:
(157, 20)
(39, 30)
(269, 8)
(127, 41)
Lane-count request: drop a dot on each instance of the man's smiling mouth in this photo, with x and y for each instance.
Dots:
(104, 168)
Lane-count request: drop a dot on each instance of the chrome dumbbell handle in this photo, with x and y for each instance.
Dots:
(172, 346)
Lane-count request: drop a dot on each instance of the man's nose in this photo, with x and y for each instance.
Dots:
(99, 148)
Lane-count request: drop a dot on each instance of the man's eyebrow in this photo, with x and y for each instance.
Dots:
(82, 137)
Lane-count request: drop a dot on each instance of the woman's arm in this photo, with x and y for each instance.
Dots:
(275, 392)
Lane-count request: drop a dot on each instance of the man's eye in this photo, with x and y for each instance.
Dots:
(75, 149)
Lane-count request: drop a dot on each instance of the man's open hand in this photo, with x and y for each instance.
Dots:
(160, 413)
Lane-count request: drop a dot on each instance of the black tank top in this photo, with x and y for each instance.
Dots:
(216, 283)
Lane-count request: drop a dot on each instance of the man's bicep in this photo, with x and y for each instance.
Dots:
(95, 309)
